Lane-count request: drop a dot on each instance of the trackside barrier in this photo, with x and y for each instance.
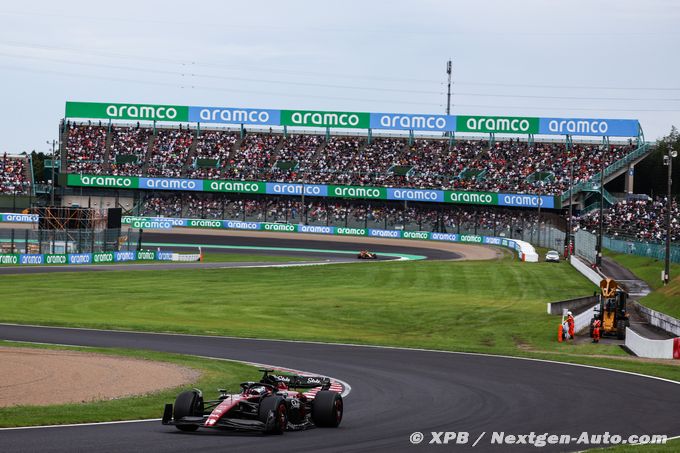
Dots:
(192, 257)
(525, 250)
(664, 322)
(556, 308)
(84, 258)
(653, 349)
(582, 320)
(585, 270)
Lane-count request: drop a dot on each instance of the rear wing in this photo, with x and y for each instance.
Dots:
(297, 381)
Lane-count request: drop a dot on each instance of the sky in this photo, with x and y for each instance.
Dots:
(571, 58)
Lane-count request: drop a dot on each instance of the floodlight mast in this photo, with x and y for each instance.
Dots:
(448, 93)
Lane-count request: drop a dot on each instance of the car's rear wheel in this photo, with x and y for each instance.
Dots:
(327, 409)
(276, 405)
(188, 404)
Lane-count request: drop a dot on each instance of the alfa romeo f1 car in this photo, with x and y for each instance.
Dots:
(272, 405)
(366, 255)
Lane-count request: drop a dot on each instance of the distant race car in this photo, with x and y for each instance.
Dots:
(269, 406)
(552, 256)
(366, 255)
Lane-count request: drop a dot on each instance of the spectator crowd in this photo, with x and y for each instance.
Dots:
(638, 219)
(13, 178)
(507, 165)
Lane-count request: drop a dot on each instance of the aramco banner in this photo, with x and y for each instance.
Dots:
(318, 190)
(355, 120)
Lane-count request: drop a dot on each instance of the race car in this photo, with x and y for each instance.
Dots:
(272, 405)
(366, 255)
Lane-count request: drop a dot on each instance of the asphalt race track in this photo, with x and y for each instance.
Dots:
(394, 393)
(294, 242)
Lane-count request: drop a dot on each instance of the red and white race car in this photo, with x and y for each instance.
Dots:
(274, 404)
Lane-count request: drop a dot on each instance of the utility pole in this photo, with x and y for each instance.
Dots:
(571, 205)
(54, 162)
(668, 160)
(448, 93)
(598, 258)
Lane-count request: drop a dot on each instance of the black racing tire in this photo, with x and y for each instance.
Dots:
(278, 405)
(592, 328)
(621, 329)
(188, 404)
(327, 408)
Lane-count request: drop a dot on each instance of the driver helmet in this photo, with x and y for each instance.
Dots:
(257, 390)
(569, 313)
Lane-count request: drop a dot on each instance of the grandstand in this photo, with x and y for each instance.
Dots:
(15, 175)
(390, 179)
(503, 165)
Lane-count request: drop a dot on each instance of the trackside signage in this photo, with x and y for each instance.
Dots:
(526, 201)
(313, 190)
(413, 122)
(351, 120)
(113, 182)
(147, 112)
(589, 127)
(348, 231)
(81, 258)
(355, 120)
(497, 124)
(229, 115)
(19, 218)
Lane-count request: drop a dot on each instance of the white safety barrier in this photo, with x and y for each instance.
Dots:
(527, 251)
(653, 349)
(192, 257)
(582, 320)
(584, 269)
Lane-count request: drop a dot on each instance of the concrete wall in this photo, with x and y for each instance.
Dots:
(660, 320)
(586, 270)
(557, 308)
(653, 349)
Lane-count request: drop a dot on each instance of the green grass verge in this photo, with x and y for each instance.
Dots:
(495, 307)
(663, 299)
(251, 258)
(207, 257)
(214, 374)
(486, 306)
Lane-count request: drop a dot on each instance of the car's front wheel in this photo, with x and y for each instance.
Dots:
(188, 404)
(276, 405)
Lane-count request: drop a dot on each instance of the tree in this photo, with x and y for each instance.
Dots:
(38, 166)
(650, 174)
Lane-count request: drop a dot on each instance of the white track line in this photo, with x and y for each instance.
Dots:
(82, 424)
(346, 388)
(396, 348)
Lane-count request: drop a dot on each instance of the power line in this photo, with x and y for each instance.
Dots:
(210, 88)
(326, 74)
(211, 76)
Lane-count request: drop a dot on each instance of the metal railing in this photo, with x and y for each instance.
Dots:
(637, 153)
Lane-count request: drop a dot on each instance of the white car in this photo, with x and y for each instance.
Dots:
(552, 256)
